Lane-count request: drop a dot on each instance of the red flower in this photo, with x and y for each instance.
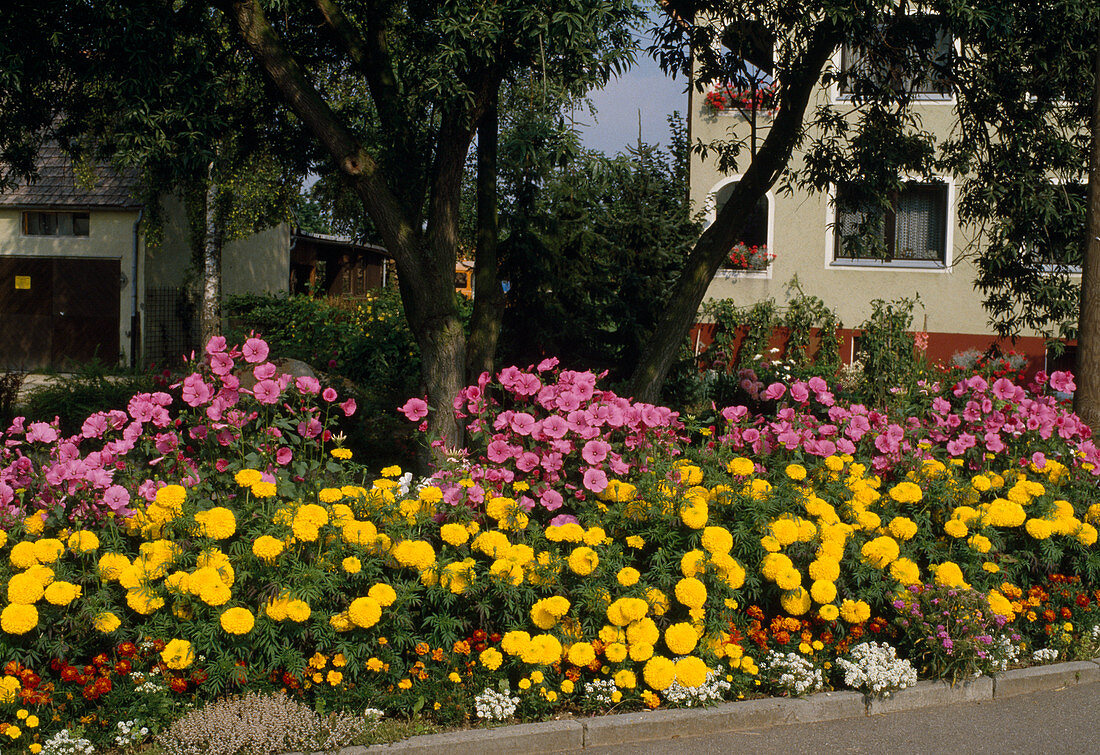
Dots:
(123, 667)
(179, 684)
(100, 660)
(128, 649)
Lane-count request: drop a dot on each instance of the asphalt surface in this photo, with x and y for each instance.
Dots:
(1058, 721)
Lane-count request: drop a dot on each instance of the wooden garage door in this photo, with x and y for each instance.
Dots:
(57, 312)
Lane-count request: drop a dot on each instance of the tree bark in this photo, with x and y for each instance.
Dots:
(485, 321)
(716, 241)
(425, 259)
(1086, 401)
(210, 308)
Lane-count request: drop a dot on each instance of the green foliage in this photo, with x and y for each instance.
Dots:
(885, 348)
(589, 248)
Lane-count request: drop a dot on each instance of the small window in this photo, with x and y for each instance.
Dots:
(55, 223)
(751, 252)
(913, 54)
(914, 228)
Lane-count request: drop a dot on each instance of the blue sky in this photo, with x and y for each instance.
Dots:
(645, 89)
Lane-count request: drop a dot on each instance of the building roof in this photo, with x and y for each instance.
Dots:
(57, 185)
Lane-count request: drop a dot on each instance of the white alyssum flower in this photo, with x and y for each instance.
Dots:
(601, 690)
(791, 673)
(876, 669)
(1045, 655)
(710, 691)
(1003, 653)
(130, 732)
(63, 743)
(495, 706)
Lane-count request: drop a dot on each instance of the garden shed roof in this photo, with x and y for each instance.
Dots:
(59, 185)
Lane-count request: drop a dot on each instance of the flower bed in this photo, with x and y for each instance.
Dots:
(583, 552)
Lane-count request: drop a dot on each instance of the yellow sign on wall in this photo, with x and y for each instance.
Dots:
(22, 282)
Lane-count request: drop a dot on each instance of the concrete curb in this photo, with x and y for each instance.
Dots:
(627, 728)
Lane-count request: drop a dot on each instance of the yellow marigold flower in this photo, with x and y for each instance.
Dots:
(177, 654)
(785, 531)
(171, 497)
(83, 541)
(902, 528)
(628, 576)
(106, 622)
(949, 574)
(365, 612)
(906, 571)
(246, 478)
(330, 495)
(692, 562)
(383, 594)
(267, 547)
(796, 472)
(298, 611)
(855, 611)
(18, 619)
(956, 528)
(581, 653)
(991, 567)
(906, 492)
(318, 661)
(788, 579)
(25, 589)
(595, 536)
(691, 671)
(740, 466)
(659, 672)
(681, 638)
(881, 551)
(491, 658)
(341, 622)
(828, 613)
(1086, 535)
(48, 550)
(542, 650)
(823, 591)
(454, 534)
(217, 523)
(694, 513)
(391, 471)
(22, 555)
(658, 601)
(717, 540)
(583, 560)
(834, 463)
(1005, 513)
(635, 541)
(641, 652)
(341, 453)
(35, 524)
(263, 489)
(63, 593)
(1040, 529)
(824, 569)
(773, 563)
(237, 620)
(980, 543)
(795, 602)
(351, 565)
(691, 592)
(616, 652)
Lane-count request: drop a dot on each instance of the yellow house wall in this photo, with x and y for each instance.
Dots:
(800, 235)
(110, 236)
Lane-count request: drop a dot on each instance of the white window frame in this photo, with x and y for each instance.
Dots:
(916, 266)
(711, 213)
(836, 97)
(24, 224)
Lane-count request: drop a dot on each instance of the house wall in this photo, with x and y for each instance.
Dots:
(110, 237)
(801, 237)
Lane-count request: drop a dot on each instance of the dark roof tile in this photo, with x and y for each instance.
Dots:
(57, 185)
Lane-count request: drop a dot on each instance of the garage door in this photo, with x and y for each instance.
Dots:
(58, 312)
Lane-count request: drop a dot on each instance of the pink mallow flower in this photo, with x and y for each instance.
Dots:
(255, 350)
(414, 409)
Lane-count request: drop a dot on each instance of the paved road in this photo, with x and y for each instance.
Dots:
(1058, 721)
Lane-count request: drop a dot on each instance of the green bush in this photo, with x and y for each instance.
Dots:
(366, 342)
(73, 398)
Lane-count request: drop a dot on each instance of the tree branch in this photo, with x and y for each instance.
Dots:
(350, 156)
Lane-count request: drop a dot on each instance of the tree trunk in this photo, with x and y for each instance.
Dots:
(1086, 401)
(210, 308)
(716, 241)
(485, 321)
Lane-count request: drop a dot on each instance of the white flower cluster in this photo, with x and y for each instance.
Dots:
(1094, 635)
(1045, 655)
(876, 669)
(791, 673)
(710, 691)
(602, 691)
(373, 714)
(150, 687)
(1003, 653)
(130, 732)
(62, 743)
(495, 706)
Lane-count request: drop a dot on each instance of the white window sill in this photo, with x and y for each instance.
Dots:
(725, 273)
(860, 264)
